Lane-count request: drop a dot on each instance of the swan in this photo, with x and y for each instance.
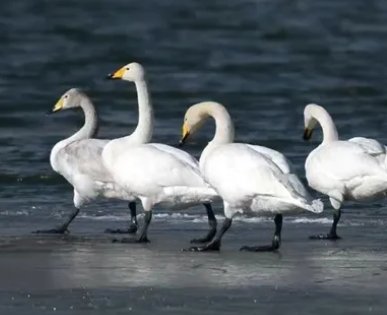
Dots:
(250, 179)
(343, 170)
(78, 160)
(156, 173)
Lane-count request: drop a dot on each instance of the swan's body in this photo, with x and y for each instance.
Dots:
(258, 185)
(371, 146)
(276, 157)
(159, 177)
(343, 170)
(80, 163)
(79, 159)
(250, 179)
(157, 174)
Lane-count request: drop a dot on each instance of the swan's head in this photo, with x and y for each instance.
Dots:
(72, 98)
(309, 121)
(194, 118)
(130, 72)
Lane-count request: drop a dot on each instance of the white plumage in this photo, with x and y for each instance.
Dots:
(250, 179)
(343, 170)
(78, 159)
(157, 174)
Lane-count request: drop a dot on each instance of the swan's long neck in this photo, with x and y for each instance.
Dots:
(90, 127)
(224, 127)
(88, 130)
(326, 122)
(144, 130)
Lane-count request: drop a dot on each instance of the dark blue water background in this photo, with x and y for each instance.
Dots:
(264, 60)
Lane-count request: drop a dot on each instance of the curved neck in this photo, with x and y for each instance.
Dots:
(88, 130)
(326, 122)
(224, 127)
(90, 127)
(144, 130)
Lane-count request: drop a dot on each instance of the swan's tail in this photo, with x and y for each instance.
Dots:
(315, 206)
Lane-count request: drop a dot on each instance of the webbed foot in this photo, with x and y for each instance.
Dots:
(126, 240)
(60, 230)
(131, 230)
(275, 245)
(206, 239)
(267, 248)
(212, 246)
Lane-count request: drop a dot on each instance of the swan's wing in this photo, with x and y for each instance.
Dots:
(371, 146)
(278, 158)
(343, 161)
(84, 158)
(286, 167)
(147, 168)
(240, 171)
(179, 154)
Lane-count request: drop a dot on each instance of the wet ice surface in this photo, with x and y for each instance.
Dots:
(84, 273)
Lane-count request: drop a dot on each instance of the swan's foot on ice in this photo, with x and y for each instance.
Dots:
(59, 230)
(133, 222)
(212, 246)
(275, 244)
(63, 229)
(131, 230)
(208, 238)
(332, 235)
(140, 240)
(329, 236)
(266, 248)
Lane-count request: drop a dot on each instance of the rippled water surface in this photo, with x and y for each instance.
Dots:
(265, 60)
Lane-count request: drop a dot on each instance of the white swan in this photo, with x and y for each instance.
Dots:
(247, 177)
(343, 170)
(78, 160)
(157, 174)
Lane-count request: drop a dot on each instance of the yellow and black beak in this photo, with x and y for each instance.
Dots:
(185, 130)
(57, 107)
(307, 133)
(116, 75)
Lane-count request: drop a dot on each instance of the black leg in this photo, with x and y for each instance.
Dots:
(133, 222)
(133, 217)
(214, 245)
(211, 222)
(143, 237)
(275, 245)
(332, 235)
(63, 228)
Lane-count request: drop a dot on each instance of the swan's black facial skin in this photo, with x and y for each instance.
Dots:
(110, 76)
(307, 133)
(183, 139)
(53, 111)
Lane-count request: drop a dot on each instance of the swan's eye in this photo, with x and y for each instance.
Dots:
(127, 68)
(66, 96)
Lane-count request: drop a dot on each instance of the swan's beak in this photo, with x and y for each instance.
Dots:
(58, 106)
(307, 133)
(185, 134)
(116, 75)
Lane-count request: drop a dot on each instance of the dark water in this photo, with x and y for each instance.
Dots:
(265, 60)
